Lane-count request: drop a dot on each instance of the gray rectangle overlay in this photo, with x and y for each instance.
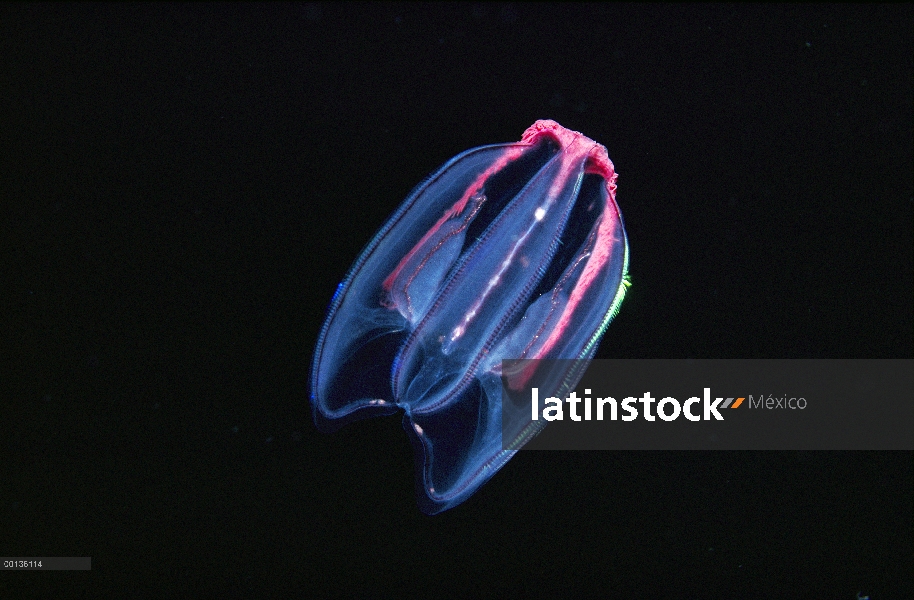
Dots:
(44, 563)
(709, 404)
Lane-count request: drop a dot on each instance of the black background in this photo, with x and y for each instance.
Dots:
(184, 186)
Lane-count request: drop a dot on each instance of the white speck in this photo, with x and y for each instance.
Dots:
(539, 213)
(417, 428)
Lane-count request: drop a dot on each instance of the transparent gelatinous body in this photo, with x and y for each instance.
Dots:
(508, 251)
